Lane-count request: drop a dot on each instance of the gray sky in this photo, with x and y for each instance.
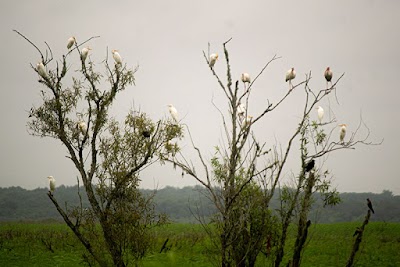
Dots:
(166, 38)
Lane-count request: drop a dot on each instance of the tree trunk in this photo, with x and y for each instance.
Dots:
(302, 225)
(359, 232)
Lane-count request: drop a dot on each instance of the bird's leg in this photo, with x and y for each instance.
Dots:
(336, 96)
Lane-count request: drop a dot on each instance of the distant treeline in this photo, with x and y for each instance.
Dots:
(185, 204)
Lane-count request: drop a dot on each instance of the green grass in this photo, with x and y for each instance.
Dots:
(52, 244)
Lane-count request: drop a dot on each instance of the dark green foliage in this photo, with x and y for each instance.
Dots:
(18, 204)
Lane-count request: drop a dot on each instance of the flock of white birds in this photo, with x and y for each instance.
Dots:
(241, 110)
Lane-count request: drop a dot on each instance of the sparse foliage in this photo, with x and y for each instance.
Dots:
(243, 176)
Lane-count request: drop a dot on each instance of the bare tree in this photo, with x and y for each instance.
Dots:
(242, 177)
(108, 155)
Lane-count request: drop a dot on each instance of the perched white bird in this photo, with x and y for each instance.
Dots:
(241, 111)
(52, 183)
(85, 52)
(41, 70)
(71, 42)
(247, 121)
(320, 113)
(82, 127)
(173, 112)
(290, 75)
(342, 131)
(213, 59)
(117, 57)
(245, 77)
(328, 76)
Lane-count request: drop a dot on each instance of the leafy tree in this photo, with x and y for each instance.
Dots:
(107, 154)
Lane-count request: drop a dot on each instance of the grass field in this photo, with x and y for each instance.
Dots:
(52, 244)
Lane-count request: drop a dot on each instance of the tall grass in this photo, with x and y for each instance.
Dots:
(52, 244)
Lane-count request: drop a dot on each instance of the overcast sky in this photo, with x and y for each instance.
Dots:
(166, 38)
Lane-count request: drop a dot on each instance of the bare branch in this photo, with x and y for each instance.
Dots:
(26, 38)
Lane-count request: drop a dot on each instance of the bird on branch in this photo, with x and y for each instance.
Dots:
(173, 112)
(85, 52)
(241, 111)
(71, 42)
(41, 70)
(369, 204)
(146, 134)
(213, 59)
(117, 57)
(342, 131)
(320, 114)
(290, 75)
(328, 76)
(52, 183)
(310, 165)
(245, 77)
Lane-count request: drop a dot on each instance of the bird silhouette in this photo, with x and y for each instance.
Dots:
(369, 203)
(146, 134)
(310, 165)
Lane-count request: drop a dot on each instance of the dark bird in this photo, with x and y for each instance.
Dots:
(358, 230)
(146, 134)
(328, 74)
(370, 205)
(310, 165)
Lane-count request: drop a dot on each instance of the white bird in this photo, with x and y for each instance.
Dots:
(82, 127)
(85, 52)
(241, 111)
(213, 59)
(173, 112)
(52, 183)
(290, 75)
(245, 77)
(117, 57)
(71, 42)
(41, 70)
(247, 121)
(342, 131)
(328, 76)
(320, 113)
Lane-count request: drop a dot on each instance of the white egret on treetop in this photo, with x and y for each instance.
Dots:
(71, 42)
(117, 57)
(41, 69)
(328, 76)
(320, 113)
(342, 131)
(245, 77)
(81, 126)
(52, 183)
(173, 112)
(290, 75)
(213, 59)
(85, 52)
